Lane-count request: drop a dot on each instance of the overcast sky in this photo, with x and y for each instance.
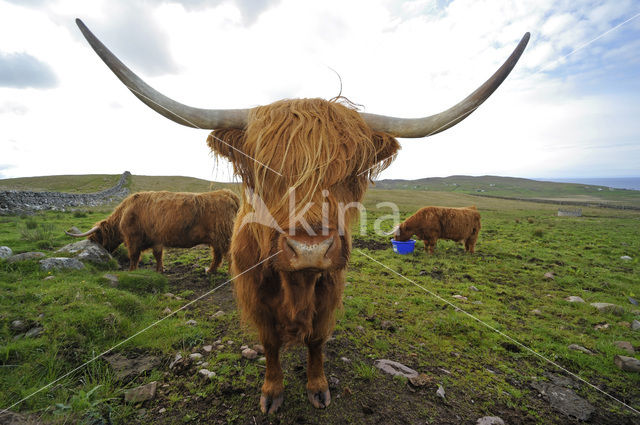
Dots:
(63, 112)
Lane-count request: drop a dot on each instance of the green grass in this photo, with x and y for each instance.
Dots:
(518, 188)
(82, 315)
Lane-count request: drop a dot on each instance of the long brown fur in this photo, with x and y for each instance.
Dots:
(155, 220)
(315, 145)
(433, 223)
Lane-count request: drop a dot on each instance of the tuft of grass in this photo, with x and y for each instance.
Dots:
(364, 371)
(142, 281)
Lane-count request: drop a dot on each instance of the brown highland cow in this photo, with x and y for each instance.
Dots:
(289, 269)
(169, 219)
(433, 223)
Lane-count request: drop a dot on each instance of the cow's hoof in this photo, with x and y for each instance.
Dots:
(270, 404)
(319, 399)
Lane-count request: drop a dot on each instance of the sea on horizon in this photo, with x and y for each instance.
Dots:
(630, 183)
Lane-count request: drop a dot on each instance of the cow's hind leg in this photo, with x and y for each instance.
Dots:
(157, 254)
(317, 387)
(273, 388)
(216, 259)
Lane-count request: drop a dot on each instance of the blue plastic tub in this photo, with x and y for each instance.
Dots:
(403, 248)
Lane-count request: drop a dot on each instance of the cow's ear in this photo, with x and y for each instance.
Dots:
(228, 143)
(386, 149)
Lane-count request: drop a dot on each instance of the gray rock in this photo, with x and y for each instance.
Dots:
(207, 373)
(207, 348)
(25, 256)
(195, 356)
(580, 348)
(74, 230)
(86, 250)
(18, 326)
(112, 279)
(5, 252)
(629, 364)
(191, 322)
(218, 314)
(625, 258)
(61, 263)
(624, 345)
(574, 299)
(141, 393)
(258, 348)
(635, 325)
(250, 354)
(394, 368)
(440, 392)
(549, 276)
(49, 277)
(177, 359)
(345, 359)
(536, 311)
(608, 308)
(166, 311)
(632, 300)
(126, 369)
(34, 332)
(473, 288)
(565, 400)
(490, 420)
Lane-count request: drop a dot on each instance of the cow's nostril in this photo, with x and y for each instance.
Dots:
(313, 250)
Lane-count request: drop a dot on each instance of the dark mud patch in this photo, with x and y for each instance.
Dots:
(370, 244)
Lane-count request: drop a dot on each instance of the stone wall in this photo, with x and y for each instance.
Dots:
(21, 202)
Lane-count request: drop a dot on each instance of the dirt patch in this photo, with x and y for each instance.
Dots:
(370, 244)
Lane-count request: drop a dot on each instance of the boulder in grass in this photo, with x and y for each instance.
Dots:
(394, 368)
(86, 250)
(608, 308)
(61, 263)
(141, 393)
(25, 256)
(5, 252)
(629, 364)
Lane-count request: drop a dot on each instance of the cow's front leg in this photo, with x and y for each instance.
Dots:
(317, 387)
(157, 254)
(273, 387)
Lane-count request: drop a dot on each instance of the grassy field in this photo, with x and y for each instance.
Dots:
(384, 316)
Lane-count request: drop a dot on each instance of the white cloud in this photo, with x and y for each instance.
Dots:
(397, 58)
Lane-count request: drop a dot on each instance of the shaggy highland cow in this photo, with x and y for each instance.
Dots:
(289, 270)
(433, 223)
(168, 219)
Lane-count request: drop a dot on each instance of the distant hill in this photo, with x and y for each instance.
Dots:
(518, 188)
(486, 186)
(89, 183)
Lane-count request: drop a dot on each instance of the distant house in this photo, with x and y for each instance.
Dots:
(577, 212)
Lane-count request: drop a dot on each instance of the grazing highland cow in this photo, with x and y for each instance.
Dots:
(176, 220)
(433, 223)
(290, 268)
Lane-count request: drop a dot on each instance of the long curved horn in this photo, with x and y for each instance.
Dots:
(427, 126)
(80, 235)
(178, 112)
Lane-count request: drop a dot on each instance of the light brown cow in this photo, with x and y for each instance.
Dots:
(155, 220)
(289, 276)
(433, 223)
